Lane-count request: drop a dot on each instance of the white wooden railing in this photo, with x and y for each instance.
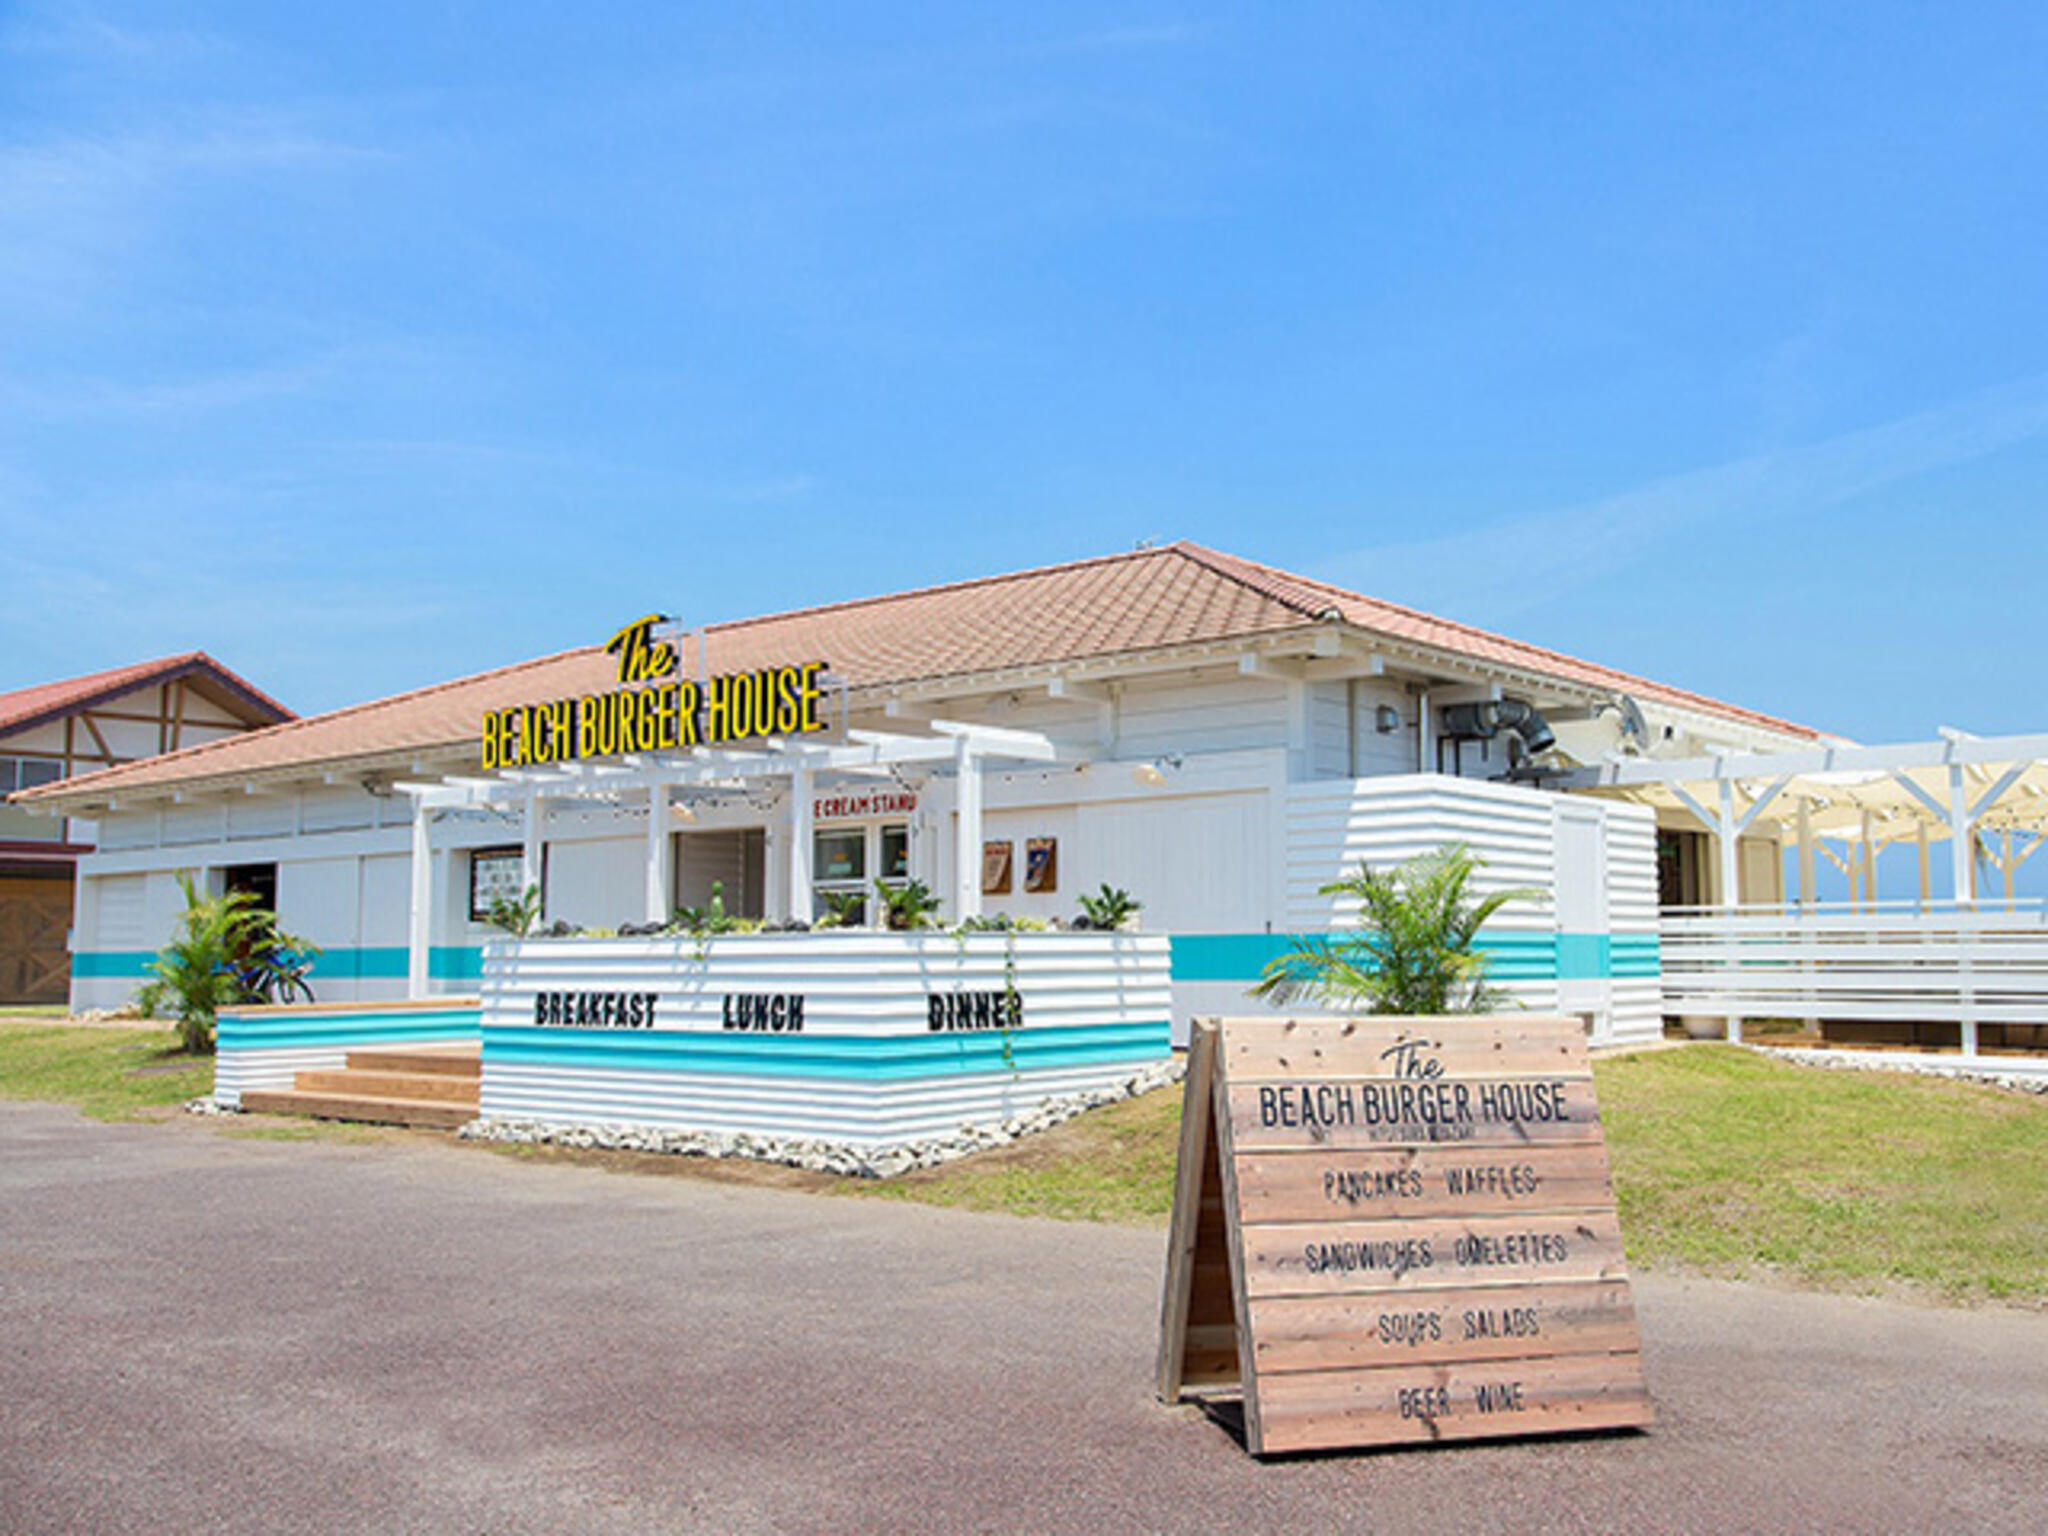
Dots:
(1891, 962)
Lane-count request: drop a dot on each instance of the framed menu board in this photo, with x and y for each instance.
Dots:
(1042, 864)
(1397, 1230)
(995, 869)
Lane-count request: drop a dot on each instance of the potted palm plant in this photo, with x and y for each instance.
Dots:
(1414, 951)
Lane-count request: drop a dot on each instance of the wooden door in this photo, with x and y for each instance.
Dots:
(35, 920)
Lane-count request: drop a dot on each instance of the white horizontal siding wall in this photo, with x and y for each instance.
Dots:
(1631, 867)
(1344, 735)
(1581, 949)
(1384, 821)
(863, 1113)
(854, 983)
(866, 1066)
(1223, 715)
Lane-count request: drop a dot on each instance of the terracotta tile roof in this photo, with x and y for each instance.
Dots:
(28, 707)
(1424, 629)
(1088, 610)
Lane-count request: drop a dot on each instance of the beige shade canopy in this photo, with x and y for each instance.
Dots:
(2003, 782)
(1964, 789)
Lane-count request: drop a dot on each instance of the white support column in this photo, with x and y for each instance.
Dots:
(1729, 839)
(1809, 895)
(775, 868)
(658, 843)
(1300, 743)
(1962, 842)
(1868, 849)
(1959, 836)
(420, 928)
(1731, 875)
(1425, 735)
(966, 831)
(797, 888)
(530, 842)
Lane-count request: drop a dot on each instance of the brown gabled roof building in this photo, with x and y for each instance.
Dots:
(102, 722)
(1081, 619)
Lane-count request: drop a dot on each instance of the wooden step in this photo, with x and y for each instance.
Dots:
(433, 1087)
(368, 1110)
(437, 1060)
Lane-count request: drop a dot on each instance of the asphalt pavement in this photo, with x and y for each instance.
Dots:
(200, 1332)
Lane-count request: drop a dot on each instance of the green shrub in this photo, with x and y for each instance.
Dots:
(227, 949)
(1414, 950)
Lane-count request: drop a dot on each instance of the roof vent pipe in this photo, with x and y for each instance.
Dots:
(1481, 721)
(1522, 719)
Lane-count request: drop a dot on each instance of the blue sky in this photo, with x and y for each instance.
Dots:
(365, 346)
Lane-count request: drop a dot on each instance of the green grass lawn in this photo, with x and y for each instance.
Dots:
(1730, 1163)
(1114, 1164)
(1725, 1162)
(110, 1074)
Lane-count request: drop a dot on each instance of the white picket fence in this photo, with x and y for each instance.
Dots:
(1902, 962)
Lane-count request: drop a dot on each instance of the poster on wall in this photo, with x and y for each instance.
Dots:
(493, 876)
(995, 869)
(1042, 864)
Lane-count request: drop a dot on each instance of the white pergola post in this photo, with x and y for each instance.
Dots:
(1808, 897)
(966, 830)
(1731, 875)
(1868, 848)
(1926, 873)
(658, 843)
(1961, 842)
(1728, 839)
(1808, 894)
(420, 927)
(530, 842)
(798, 883)
(1959, 836)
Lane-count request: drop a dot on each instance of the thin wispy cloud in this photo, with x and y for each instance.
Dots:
(77, 31)
(54, 397)
(1508, 567)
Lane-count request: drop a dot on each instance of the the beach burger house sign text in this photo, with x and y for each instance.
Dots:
(655, 710)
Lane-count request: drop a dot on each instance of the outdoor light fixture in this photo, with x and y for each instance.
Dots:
(1155, 772)
(682, 810)
(1387, 719)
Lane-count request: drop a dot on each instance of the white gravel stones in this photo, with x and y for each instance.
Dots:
(1931, 1066)
(209, 1106)
(848, 1159)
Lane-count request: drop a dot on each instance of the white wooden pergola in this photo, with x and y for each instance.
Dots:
(1976, 792)
(656, 779)
(1964, 961)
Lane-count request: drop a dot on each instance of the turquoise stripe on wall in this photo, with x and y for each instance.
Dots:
(1515, 956)
(1637, 955)
(1196, 957)
(1225, 956)
(113, 964)
(445, 962)
(1584, 956)
(866, 1057)
(382, 1027)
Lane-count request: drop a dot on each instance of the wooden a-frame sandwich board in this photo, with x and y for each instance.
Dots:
(1393, 1231)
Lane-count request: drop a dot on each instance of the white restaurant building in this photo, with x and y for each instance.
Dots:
(1215, 736)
